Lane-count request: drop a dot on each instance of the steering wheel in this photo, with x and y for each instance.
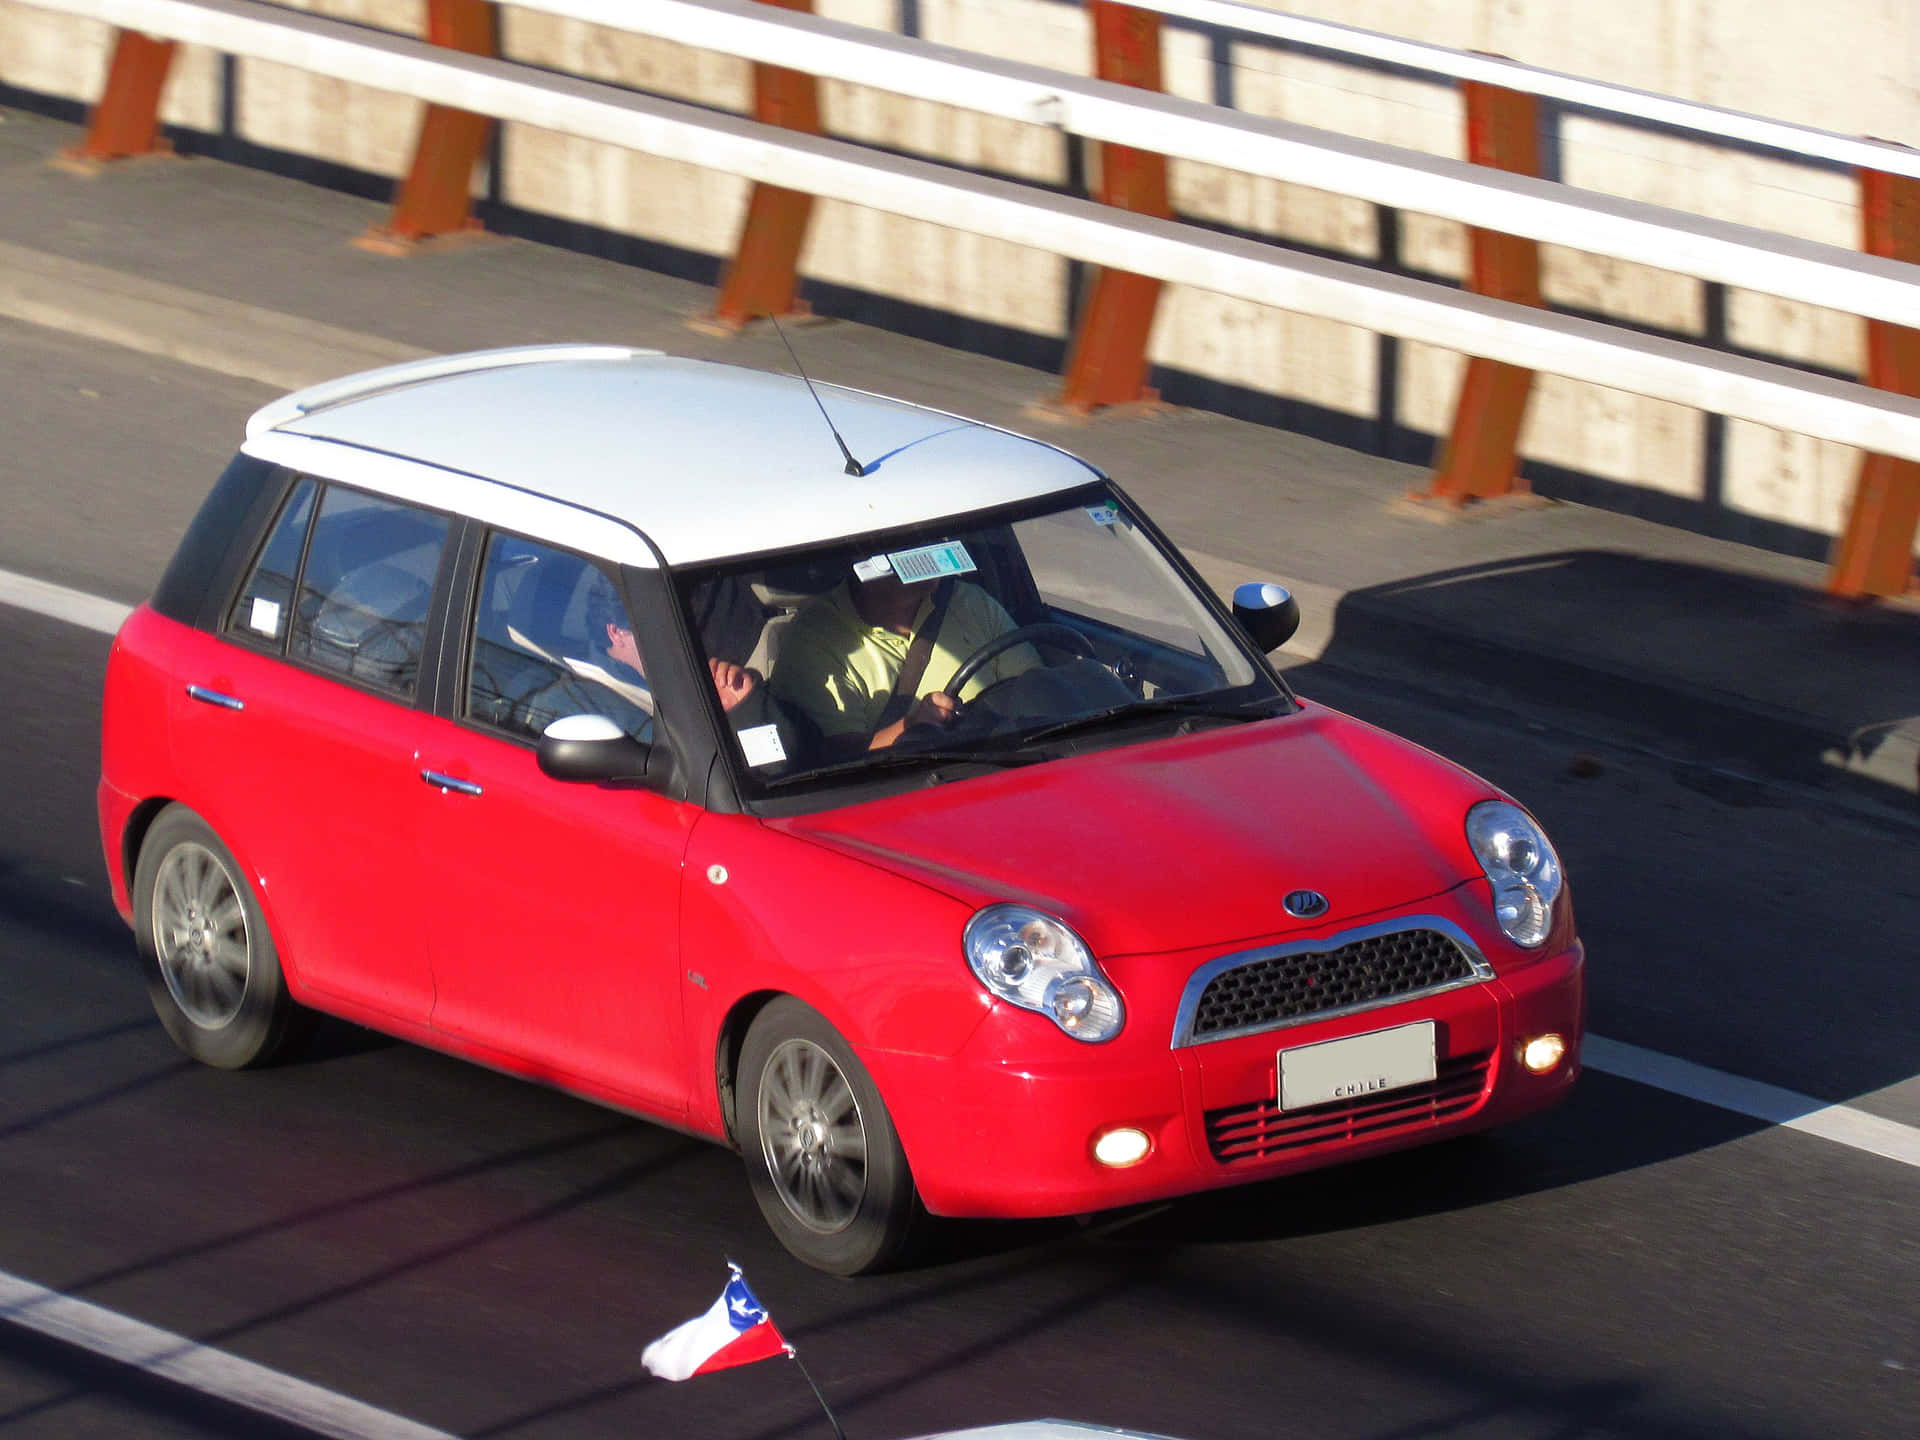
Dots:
(1061, 637)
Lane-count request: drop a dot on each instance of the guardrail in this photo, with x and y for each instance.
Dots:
(1503, 328)
(1119, 114)
(1622, 101)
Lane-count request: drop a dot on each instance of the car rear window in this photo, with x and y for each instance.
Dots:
(366, 589)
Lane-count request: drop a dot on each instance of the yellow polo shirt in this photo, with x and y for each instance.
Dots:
(841, 670)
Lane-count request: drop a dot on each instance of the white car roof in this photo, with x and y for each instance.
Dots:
(707, 460)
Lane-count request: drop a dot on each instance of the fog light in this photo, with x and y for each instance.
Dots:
(1121, 1147)
(1542, 1053)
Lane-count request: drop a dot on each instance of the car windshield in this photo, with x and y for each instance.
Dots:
(989, 641)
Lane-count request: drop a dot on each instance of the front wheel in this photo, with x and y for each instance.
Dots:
(822, 1156)
(212, 971)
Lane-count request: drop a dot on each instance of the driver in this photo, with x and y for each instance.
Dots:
(842, 658)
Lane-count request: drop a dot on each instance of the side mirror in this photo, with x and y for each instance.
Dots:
(1268, 613)
(591, 747)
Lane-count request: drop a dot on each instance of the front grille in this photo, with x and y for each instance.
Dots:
(1240, 1134)
(1298, 984)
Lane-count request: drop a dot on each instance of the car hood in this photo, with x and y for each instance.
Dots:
(1192, 840)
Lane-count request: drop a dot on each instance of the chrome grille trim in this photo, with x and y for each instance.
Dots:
(1197, 983)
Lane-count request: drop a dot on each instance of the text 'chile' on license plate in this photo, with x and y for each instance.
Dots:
(1356, 1067)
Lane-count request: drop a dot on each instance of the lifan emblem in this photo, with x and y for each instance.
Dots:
(1304, 904)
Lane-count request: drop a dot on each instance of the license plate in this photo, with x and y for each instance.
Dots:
(1359, 1066)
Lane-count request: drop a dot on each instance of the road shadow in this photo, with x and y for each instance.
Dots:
(1608, 1127)
(91, 1388)
(619, 1158)
(41, 900)
(1132, 1282)
(1647, 710)
(329, 1039)
(1732, 671)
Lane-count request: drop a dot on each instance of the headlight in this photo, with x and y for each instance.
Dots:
(1522, 866)
(1032, 960)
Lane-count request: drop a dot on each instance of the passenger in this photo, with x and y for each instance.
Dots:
(611, 679)
(735, 684)
(845, 656)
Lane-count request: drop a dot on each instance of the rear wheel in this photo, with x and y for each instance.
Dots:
(212, 971)
(822, 1156)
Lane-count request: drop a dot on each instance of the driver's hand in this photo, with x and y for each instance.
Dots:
(935, 708)
(734, 682)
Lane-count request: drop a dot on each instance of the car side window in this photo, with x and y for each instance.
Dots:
(366, 589)
(552, 637)
(260, 613)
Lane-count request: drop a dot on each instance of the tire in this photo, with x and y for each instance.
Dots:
(212, 971)
(850, 1209)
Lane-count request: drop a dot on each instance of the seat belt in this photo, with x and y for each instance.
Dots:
(918, 653)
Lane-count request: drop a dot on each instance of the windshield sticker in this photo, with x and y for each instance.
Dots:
(265, 617)
(871, 568)
(761, 745)
(1103, 514)
(930, 562)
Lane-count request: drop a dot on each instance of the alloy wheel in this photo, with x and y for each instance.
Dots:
(813, 1137)
(200, 935)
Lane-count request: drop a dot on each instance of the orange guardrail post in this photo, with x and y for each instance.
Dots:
(126, 121)
(1481, 458)
(434, 199)
(1874, 555)
(763, 277)
(1107, 364)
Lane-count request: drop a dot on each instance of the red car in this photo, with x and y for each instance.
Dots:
(872, 790)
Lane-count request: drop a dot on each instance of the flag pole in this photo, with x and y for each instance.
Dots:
(838, 1433)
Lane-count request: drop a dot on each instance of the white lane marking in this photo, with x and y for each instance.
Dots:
(1839, 1123)
(76, 607)
(209, 1371)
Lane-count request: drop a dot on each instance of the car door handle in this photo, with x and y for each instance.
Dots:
(448, 782)
(214, 697)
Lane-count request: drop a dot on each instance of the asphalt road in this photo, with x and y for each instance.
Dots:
(486, 1257)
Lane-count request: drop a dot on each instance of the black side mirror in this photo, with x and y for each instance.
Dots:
(1268, 613)
(592, 747)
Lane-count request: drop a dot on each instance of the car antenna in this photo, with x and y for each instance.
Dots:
(854, 467)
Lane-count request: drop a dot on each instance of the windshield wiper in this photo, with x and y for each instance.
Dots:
(1258, 708)
(874, 761)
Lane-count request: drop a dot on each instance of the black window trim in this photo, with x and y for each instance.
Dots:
(240, 635)
(216, 553)
(454, 618)
(428, 693)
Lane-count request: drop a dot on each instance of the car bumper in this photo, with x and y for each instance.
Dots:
(115, 808)
(988, 1136)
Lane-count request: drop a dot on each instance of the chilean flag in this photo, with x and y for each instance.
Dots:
(734, 1331)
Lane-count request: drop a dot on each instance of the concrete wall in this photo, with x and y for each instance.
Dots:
(1848, 65)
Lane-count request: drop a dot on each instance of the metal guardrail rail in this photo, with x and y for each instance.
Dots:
(1776, 395)
(1622, 101)
(1543, 210)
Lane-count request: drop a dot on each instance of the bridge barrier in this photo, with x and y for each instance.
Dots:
(1508, 205)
